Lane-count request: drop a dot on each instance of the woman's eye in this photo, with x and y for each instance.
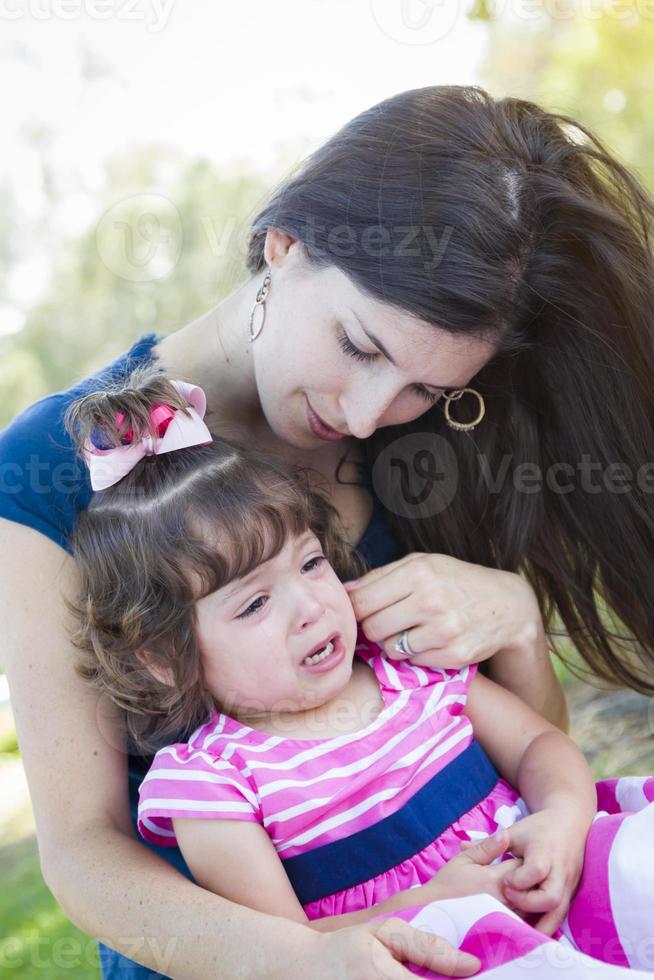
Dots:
(348, 348)
(429, 396)
(361, 355)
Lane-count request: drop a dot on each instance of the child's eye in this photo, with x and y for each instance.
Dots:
(361, 355)
(252, 608)
(255, 606)
(315, 562)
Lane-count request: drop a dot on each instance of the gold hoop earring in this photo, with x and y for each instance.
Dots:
(453, 397)
(260, 303)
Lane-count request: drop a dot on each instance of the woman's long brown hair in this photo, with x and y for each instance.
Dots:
(496, 218)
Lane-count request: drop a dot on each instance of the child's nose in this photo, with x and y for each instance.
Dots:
(309, 609)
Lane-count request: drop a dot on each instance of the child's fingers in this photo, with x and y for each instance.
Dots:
(527, 901)
(506, 867)
(550, 922)
(535, 868)
(536, 900)
(487, 850)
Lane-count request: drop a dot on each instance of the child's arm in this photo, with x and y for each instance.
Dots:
(553, 777)
(237, 860)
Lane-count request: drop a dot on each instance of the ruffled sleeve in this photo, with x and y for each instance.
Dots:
(400, 675)
(185, 781)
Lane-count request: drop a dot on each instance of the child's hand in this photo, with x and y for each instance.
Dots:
(472, 873)
(551, 845)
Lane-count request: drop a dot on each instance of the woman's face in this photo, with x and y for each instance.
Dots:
(255, 633)
(305, 356)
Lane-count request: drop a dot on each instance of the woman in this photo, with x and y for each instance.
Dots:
(441, 240)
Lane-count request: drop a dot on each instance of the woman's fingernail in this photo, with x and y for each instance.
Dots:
(355, 581)
(465, 961)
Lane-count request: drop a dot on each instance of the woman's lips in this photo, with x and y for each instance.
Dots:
(320, 428)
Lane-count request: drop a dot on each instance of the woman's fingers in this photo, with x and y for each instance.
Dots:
(381, 570)
(356, 586)
(424, 949)
(384, 605)
(415, 594)
(435, 641)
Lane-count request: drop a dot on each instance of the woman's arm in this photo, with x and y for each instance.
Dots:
(108, 883)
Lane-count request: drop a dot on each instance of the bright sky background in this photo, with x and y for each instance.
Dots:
(249, 82)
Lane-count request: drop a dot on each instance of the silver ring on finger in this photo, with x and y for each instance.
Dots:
(402, 645)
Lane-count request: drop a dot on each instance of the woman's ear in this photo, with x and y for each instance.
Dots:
(162, 674)
(281, 247)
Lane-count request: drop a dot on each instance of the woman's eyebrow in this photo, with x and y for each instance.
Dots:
(377, 342)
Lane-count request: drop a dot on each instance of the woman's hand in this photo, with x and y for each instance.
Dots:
(377, 950)
(457, 613)
(551, 844)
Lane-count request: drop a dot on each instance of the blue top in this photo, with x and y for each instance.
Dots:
(44, 484)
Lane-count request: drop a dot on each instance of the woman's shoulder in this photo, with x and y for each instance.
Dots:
(43, 484)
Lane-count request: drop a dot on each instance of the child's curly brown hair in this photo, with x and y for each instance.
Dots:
(177, 527)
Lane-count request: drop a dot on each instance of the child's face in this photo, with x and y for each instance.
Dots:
(255, 632)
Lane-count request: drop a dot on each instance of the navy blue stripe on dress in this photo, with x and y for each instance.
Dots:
(341, 864)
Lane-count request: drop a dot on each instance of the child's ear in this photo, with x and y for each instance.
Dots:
(150, 661)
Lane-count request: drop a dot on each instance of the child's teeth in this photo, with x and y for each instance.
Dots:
(317, 657)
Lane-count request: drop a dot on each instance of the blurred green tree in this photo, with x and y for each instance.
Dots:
(589, 61)
(169, 242)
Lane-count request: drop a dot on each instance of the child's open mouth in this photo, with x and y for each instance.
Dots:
(327, 657)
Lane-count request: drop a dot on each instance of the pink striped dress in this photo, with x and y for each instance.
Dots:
(358, 817)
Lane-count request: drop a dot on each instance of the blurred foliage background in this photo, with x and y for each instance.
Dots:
(166, 241)
(592, 61)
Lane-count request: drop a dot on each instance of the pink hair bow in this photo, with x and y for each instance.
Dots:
(176, 431)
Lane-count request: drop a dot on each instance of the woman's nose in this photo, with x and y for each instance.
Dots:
(365, 410)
